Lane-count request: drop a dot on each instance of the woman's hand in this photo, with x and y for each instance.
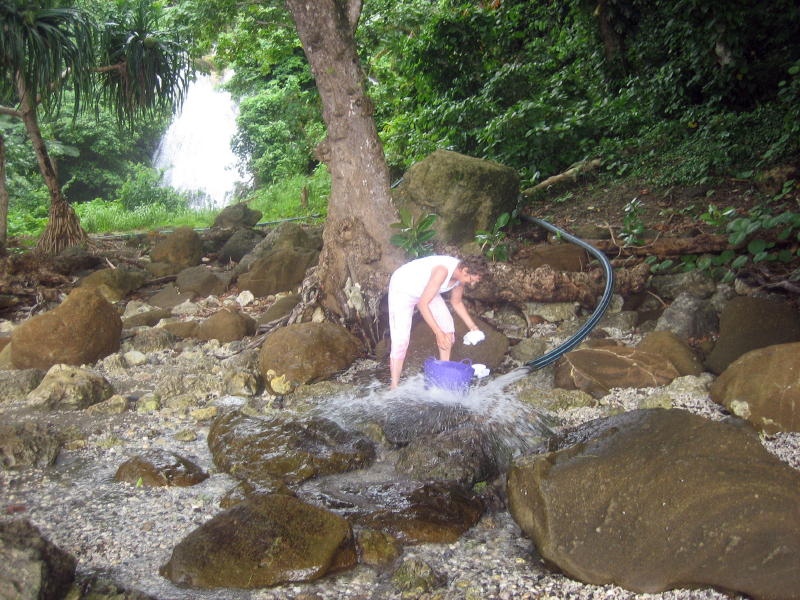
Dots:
(443, 340)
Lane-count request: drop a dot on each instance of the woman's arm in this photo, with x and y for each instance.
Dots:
(457, 302)
(438, 275)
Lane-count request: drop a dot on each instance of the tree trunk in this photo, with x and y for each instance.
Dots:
(3, 197)
(356, 238)
(63, 227)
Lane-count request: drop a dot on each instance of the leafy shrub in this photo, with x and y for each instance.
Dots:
(142, 188)
(414, 236)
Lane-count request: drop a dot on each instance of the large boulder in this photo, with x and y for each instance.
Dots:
(280, 270)
(659, 499)
(238, 245)
(32, 567)
(596, 370)
(262, 450)
(180, 249)
(81, 330)
(466, 193)
(305, 352)
(749, 323)
(673, 348)
(263, 541)
(689, 317)
(285, 235)
(15, 385)
(763, 386)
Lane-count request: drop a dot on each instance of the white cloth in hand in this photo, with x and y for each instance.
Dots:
(474, 337)
(480, 370)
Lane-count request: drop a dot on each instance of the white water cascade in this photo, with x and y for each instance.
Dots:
(195, 152)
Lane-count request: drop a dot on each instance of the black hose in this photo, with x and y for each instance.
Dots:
(591, 323)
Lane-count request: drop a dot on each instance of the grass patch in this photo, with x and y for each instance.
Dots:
(284, 199)
(102, 216)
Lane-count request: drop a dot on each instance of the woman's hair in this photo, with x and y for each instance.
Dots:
(476, 264)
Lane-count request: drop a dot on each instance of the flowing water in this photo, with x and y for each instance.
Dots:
(195, 152)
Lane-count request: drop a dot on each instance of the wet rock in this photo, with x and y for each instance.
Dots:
(32, 567)
(264, 541)
(245, 490)
(510, 321)
(100, 586)
(417, 577)
(15, 385)
(181, 329)
(226, 325)
(378, 549)
(304, 352)
(552, 400)
(258, 450)
(750, 323)
(689, 317)
(69, 388)
(81, 330)
(659, 499)
(411, 511)
(114, 284)
(674, 349)
(180, 249)
(465, 455)
(409, 420)
(160, 468)
(596, 370)
(281, 270)
(528, 349)
(25, 445)
(763, 386)
(116, 405)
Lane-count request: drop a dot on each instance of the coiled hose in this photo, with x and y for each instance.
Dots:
(598, 313)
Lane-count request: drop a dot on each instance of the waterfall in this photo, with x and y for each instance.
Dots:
(195, 152)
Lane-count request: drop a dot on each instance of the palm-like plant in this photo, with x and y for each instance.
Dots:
(45, 48)
(41, 47)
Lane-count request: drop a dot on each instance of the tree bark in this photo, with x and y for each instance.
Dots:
(63, 227)
(3, 197)
(356, 237)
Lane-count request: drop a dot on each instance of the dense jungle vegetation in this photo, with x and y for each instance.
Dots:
(666, 92)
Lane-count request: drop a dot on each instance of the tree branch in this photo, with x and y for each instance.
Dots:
(5, 110)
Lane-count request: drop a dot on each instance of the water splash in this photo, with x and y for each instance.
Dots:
(515, 426)
(195, 152)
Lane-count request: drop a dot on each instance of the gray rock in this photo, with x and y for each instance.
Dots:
(689, 317)
(25, 445)
(15, 385)
(69, 388)
(693, 283)
(160, 468)
(200, 281)
(32, 567)
(239, 245)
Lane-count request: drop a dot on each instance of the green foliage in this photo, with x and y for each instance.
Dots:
(141, 189)
(632, 224)
(284, 199)
(278, 129)
(415, 237)
(492, 242)
(102, 216)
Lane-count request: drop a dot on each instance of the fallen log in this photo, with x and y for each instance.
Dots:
(568, 176)
(509, 283)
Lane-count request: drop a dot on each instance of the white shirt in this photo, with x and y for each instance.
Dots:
(413, 276)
